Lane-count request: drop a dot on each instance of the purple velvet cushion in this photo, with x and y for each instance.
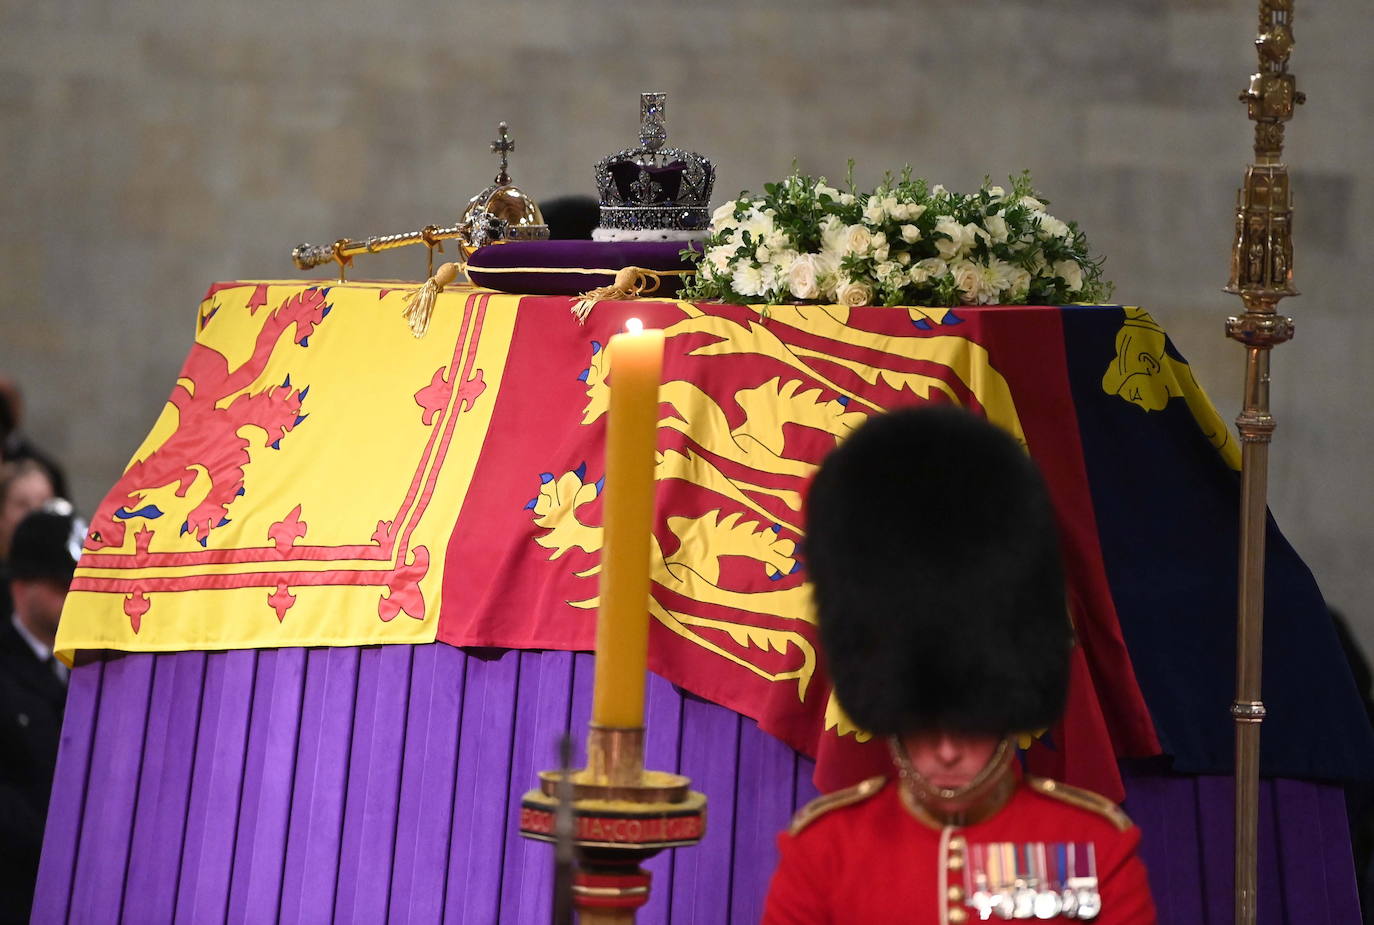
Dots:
(573, 267)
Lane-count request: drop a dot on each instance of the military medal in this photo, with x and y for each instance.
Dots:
(1087, 901)
(1047, 901)
(981, 898)
(1023, 896)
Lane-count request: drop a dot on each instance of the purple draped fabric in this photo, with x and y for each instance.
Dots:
(380, 784)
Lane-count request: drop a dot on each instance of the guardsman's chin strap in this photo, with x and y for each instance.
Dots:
(979, 799)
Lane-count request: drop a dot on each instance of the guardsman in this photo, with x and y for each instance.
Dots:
(933, 553)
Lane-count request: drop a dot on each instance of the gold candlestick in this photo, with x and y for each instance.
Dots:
(622, 816)
(1261, 274)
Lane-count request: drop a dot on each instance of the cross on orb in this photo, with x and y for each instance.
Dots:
(503, 146)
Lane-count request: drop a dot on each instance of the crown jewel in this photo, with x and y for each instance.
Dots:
(653, 188)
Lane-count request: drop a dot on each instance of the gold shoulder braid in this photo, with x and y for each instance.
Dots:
(824, 804)
(1083, 799)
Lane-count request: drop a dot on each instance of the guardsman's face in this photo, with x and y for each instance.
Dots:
(949, 760)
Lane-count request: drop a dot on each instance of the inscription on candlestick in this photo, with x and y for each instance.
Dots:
(538, 822)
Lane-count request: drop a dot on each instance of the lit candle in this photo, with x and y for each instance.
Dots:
(622, 622)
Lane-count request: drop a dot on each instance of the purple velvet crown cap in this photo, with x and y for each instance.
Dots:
(573, 267)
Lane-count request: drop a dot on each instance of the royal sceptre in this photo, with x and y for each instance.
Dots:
(500, 212)
(1261, 274)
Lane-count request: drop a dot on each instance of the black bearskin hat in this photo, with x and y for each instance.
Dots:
(933, 554)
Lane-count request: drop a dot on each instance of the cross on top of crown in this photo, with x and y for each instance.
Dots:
(503, 146)
(653, 118)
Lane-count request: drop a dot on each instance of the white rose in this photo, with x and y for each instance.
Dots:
(823, 190)
(997, 192)
(889, 272)
(747, 279)
(904, 258)
(997, 228)
(857, 240)
(768, 279)
(1071, 273)
(934, 266)
(802, 277)
(1030, 202)
(968, 280)
(911, 234)
(874, 211)
(959, 238)
(854, 294)
(878, 246)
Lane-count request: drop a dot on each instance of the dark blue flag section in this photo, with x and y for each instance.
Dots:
(1164, 482)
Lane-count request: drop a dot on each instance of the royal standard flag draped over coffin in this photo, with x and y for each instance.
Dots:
(294, 490)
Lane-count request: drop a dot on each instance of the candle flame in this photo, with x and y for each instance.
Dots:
(634, 326)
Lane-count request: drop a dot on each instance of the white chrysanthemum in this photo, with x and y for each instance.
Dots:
(1000, 276)
(769, 280)
(846, 199)
(758, 224)
(747, 279)
(723, 217)
(1051, 227)
(1018, 285)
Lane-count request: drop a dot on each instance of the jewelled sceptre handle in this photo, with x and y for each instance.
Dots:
(309, 256)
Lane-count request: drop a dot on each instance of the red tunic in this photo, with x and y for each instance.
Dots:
(872, 860)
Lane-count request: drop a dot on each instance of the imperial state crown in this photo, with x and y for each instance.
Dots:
(654, 193)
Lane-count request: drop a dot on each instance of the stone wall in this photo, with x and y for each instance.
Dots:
(153, 146)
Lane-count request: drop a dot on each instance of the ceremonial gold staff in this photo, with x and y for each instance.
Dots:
(1261, 274)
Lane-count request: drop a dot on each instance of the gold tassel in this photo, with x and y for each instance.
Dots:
(420, 305)
(630, 283)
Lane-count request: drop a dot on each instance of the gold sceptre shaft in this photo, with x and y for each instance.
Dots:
(1261, 274)
(342, 251)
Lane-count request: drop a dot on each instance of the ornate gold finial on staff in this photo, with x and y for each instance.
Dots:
(1261, 274)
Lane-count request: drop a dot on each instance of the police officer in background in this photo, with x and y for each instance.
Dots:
(934, 558)
(33, 692)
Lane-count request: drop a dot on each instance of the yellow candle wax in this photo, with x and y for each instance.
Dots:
(622, 622)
